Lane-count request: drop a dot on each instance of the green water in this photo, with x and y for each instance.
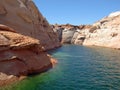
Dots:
(78, 68)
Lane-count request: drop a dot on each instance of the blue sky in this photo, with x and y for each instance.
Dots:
(76, 12)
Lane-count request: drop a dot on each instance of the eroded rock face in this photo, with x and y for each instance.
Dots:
(20, 56)
(25, 35)
(71, 34)
(106, 32)
(24, 17)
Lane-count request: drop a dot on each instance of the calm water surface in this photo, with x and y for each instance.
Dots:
(78, 68)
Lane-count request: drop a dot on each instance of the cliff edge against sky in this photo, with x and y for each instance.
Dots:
(105, 32)
(25, 35)
(24, 17)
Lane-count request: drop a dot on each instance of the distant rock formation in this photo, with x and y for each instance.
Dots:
(71, 34)
(25, 35)
(105, 32)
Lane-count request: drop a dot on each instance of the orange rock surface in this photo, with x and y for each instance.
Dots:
(24, 17)
(21, 55)
(25, 35)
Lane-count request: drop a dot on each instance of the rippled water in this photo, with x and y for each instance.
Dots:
(78, 68)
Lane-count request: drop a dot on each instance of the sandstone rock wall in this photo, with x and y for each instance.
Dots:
(20, 56)
(24, 17)
(71, 34)
(25, 35)
(105, 32)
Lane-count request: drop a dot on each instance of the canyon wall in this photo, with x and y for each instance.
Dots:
(105, 32)
(71, 34)
(24, 17)
(25, 35)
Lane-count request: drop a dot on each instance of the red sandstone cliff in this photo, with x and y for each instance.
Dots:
(24, 17)
(25, 35)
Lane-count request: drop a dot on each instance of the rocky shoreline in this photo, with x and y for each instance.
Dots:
(25, 36)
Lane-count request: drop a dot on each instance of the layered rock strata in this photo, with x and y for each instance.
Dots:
(25, 35)
(20, 56)
(24, 17)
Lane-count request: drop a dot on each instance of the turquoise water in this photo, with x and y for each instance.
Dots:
(78, 68)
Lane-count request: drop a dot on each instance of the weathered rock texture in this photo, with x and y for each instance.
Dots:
(24, 17)
(20, 55)
(105, 32)
(25, 35)
(71, 34)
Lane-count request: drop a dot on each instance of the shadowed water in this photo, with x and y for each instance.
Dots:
(78, 68)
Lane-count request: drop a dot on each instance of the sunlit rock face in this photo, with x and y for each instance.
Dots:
(114, 14)
(25, 35)
(71, 34)
(106, 33)
(20, 55)
(24, 17)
